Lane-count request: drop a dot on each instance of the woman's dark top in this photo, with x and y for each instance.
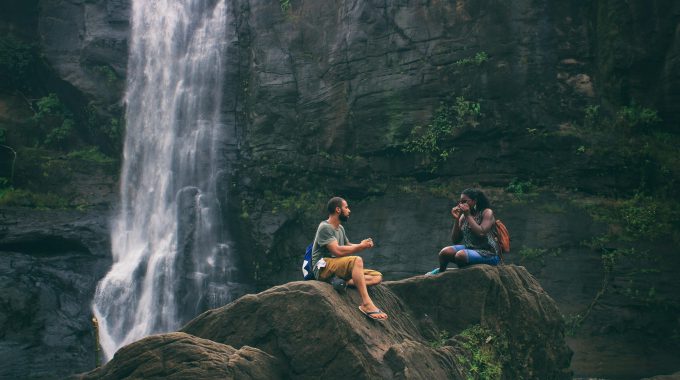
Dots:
(485, 245)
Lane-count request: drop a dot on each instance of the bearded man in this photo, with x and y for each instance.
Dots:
(332, 257)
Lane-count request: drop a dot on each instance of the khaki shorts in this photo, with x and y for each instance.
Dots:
(342, 267)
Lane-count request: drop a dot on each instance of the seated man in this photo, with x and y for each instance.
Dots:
(331, 257)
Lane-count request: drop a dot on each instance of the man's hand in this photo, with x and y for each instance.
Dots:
(367, 243)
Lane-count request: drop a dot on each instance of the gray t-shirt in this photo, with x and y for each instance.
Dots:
(325, 234)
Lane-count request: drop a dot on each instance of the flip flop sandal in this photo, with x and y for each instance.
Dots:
(370, 314)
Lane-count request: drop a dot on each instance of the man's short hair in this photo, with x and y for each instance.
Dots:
(334, 203)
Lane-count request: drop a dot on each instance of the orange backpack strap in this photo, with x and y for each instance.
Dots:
(502, 237)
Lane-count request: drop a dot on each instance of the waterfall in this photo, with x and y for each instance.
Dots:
(170, 257)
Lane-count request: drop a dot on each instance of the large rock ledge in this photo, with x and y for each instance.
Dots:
(308, 330)
(182, 356)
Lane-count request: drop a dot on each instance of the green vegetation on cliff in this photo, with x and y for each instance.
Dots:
(486, 353)
(433, 140)
(48, 139)
(54, 122)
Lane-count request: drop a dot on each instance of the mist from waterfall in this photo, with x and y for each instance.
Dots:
(170, 257)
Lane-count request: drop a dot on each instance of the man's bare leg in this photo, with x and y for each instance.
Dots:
(359, 281)
(370, 280)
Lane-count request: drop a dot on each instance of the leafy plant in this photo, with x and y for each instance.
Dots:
(636, 118)
(648, 297)
(572, 323)
(25, 198)
(640, 217)
(285, 5)
(58, 136)
(536, 254)
(440, 339)
(611, 257)
(92, 154)
(429, 139)
(104, 128)
(55, 122)
(477, 60)
(520, 188)
(107, 72)
(486, 353)
(302, 202)
(49, 105)
(631, 139)
(466, 112)
(592, 114)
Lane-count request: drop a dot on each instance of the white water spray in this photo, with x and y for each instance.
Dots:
(170, 260)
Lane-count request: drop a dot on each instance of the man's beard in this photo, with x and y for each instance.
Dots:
(343, 217)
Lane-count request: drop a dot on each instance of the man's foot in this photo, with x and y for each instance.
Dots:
(432, 272)
(374, 313)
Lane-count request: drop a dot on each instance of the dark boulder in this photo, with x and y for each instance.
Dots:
(433, 331)
(182, 356)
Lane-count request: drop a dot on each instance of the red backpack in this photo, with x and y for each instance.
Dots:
(502, 237)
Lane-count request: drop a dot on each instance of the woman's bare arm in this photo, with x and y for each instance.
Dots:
(487, 222)
(456, 234)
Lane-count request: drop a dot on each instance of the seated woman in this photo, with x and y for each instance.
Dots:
(472, 233)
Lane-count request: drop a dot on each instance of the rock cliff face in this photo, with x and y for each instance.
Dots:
(327, 98)
(502, 322)
(355, 79)
(50, 263)
(86, 43)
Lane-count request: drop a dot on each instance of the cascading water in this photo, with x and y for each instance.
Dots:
(170, 259)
